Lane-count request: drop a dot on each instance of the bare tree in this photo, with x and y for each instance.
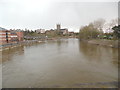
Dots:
(99, 24)
(113, 22)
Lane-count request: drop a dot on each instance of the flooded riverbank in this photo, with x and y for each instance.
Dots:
(60, 63)
(104, 42)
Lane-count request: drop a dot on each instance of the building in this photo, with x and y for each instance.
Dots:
(71, 33)
(20, 35)
(14, 37)
(42, 31)
(50, 32)
(58, 27)
(61, 31)
(17, 35)
(10, 36)
(64, 31)
(5, 36)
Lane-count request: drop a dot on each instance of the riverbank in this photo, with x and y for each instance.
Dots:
(101, 42)
(18, 44)
(8, 46)
(104, 42)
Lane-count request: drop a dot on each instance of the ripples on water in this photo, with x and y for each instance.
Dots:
(60, 63)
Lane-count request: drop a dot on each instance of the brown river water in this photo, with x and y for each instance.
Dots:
(64, 63)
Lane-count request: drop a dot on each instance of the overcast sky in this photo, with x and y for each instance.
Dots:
(72, 14)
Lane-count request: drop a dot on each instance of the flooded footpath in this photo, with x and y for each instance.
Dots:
(64, 63)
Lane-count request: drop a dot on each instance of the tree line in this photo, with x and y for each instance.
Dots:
(94, 30)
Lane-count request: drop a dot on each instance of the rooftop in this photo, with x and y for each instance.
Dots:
(63, 29)
(2, 28)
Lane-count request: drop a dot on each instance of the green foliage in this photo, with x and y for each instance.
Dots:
(89, 32)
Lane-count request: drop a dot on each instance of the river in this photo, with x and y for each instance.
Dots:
(64, 63)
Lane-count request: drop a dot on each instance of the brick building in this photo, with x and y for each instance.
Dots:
(20, 35)
(5, 36)
(14, 37)
(10, 36)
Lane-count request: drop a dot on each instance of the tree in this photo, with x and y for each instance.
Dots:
(113, 22)
(99, 24)
(88, 32)
(108, 26)
(116, 31)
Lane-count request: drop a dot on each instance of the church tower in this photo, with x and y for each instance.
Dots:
(58, 27)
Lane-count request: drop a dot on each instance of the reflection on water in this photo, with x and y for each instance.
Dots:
(98, 53)
(7, 55)
(60, 63)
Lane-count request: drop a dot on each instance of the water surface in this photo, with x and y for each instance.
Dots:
(60, 63)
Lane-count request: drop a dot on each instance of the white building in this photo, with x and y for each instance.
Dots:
(40, 30)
